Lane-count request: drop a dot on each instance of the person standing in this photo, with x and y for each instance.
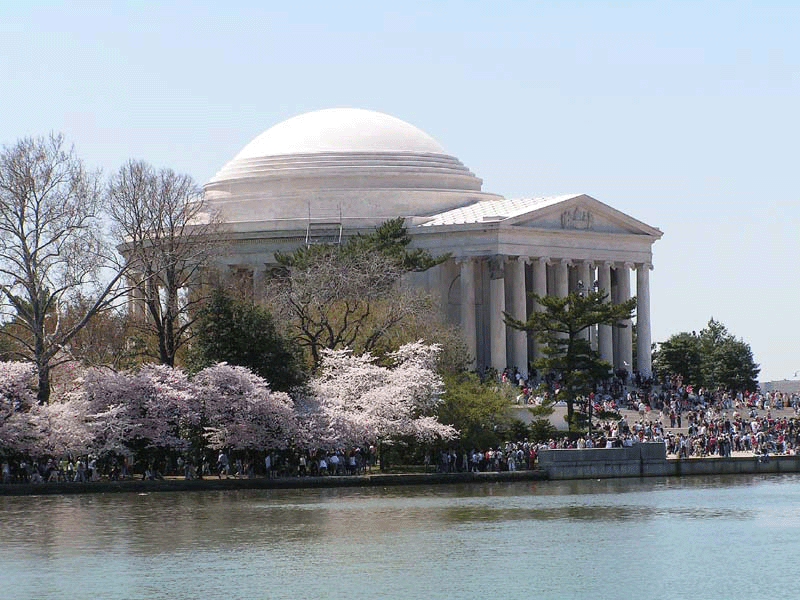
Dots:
(80, 472)
(223, 465)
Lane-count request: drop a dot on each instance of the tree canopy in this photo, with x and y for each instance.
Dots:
(160, 409)
(167, 235)
(479, 411)
(241, 333)
(354, 400)
(714, 358)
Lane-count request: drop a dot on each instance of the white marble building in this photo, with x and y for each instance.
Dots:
(327, 174)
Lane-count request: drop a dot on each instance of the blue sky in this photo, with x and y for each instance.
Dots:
(681, 114)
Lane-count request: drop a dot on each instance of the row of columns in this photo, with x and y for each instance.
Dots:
(508, 293)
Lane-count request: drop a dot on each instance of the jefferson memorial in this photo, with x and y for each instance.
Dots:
(324, 175)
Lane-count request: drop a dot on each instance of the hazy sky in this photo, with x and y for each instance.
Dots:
(682, 114)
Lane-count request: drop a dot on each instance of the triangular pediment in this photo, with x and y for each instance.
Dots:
(570, 212)
(580, 213)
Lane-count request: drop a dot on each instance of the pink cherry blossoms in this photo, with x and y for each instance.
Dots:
(352, 401)
(241, 411)
(16, 399)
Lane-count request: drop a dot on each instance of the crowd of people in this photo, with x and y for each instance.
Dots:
(302, 463)
(284, 463)
(536, 388)
(690, 422)
(702, 423)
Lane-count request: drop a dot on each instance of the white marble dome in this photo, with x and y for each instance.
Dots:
(340, 130)
(358, 163)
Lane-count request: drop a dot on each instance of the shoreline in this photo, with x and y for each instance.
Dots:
(671, 467)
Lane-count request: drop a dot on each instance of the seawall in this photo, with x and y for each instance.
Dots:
(260, 483)
(642, 460)
(650, 460)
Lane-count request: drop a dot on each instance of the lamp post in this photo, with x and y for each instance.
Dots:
(589, 400)
(580, 287)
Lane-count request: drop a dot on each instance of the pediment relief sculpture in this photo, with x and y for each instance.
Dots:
(577, 218)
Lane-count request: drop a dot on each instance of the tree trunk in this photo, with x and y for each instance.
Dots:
(571, 414)
(43, 394)
(382, 455)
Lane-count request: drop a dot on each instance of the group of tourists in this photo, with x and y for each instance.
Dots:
(690, 422)
(536, 388)
(286, 463)
(300, 463)
(710, 433)
(52, 471)
(510, 456)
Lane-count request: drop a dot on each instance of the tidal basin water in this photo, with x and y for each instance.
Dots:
(715, 537)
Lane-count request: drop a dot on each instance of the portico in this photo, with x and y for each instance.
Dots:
(509, 290)
(546, 246)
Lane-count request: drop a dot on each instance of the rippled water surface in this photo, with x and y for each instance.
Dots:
(696, 537)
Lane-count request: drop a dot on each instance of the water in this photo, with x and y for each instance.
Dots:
(699, 537)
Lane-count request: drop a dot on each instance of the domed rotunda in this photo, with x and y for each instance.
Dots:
(325, 175)
(364, 166)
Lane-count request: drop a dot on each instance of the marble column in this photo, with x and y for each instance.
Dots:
(137, 307)
(131, 296)
(518, 310)
(441, 278)
(643, 336)
(562, 282)
(497, 306)
(562, 277)
(259, 274)
(605, 339)
(468, 324)
(625, 335)
(540, 289)
(585, 281)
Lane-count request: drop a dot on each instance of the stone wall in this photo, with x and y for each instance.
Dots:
(650, 460)
(640, 460)
(734, 466)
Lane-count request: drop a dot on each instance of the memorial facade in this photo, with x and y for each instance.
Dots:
(325, 175)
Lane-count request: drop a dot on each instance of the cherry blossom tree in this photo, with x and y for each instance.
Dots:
(139, 411)
(354, 400)
(16, 399)
(54, 429)
(241, 412)
(60, 428)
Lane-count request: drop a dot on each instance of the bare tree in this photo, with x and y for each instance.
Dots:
(344, 300)
(51, 250)
(168, 237)
(109, 339)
